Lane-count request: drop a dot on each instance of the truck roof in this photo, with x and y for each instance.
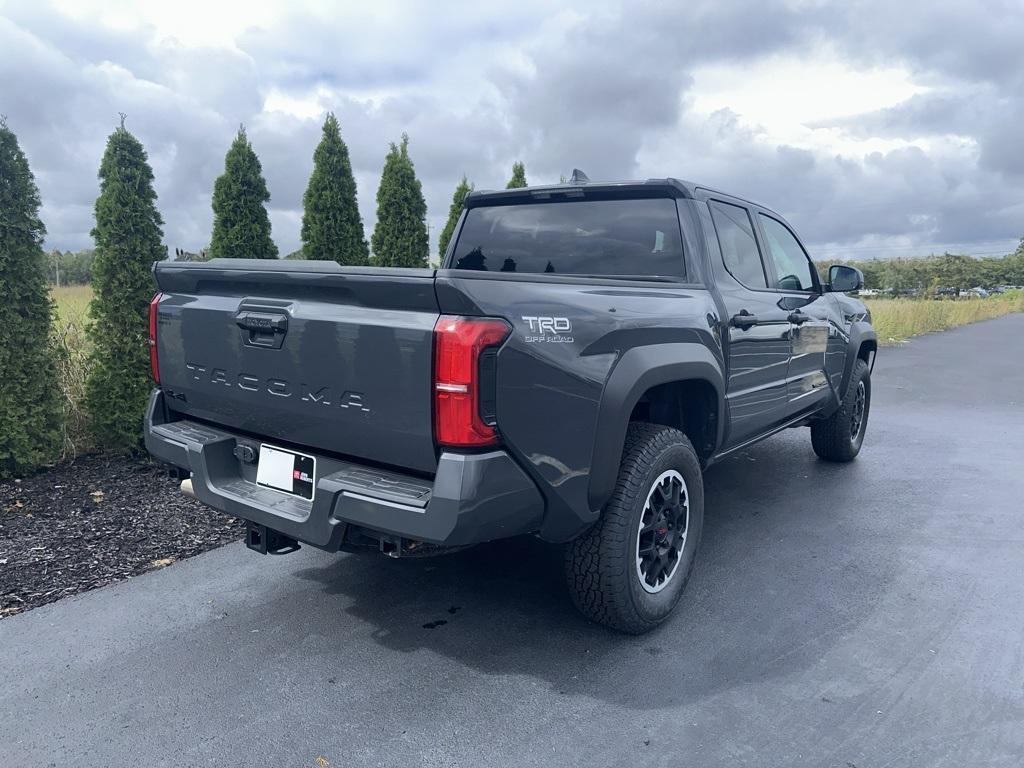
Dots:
(668, 187)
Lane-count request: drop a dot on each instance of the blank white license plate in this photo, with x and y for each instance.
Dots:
(286, 471)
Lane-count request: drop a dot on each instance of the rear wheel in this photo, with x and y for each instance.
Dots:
(629, 570)
(840, 436)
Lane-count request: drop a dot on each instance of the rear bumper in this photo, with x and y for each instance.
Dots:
(472, 498)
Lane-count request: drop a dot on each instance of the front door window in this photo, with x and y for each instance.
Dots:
(794, 269)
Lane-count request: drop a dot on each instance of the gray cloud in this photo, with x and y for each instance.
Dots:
(929, 114)
(600, 87)
(971, 53)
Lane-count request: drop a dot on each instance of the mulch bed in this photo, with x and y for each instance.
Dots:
(94, 521)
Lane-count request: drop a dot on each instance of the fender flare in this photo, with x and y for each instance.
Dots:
(636, 371)
(859, 333)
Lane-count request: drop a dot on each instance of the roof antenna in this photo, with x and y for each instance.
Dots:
(579, 177)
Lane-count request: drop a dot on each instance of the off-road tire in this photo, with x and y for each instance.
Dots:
(833, 439)
(601, 565)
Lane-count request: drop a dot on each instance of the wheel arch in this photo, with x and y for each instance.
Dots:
(863, 345)
(660, 384)
(866, 349)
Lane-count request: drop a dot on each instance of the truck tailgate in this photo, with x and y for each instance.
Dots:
(329, 357)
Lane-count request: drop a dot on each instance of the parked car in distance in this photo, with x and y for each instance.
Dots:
(584, 352)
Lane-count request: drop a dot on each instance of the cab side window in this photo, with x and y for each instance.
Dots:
(739, 246)
(793, 267)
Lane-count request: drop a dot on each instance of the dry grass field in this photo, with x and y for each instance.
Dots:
(70, 325)
(896, 320)
(72, 303)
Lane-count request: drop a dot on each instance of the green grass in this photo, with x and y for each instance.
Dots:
(72, 302)
(70, 329)
(897, 320)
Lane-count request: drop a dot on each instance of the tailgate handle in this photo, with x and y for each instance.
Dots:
(262, 329)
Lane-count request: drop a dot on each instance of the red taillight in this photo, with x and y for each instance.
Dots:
(458, 342)
(154, 360)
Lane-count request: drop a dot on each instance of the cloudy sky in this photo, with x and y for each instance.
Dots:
(879, 128)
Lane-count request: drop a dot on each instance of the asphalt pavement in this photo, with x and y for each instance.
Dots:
(858, 616)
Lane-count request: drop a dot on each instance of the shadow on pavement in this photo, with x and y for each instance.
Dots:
(775, 586)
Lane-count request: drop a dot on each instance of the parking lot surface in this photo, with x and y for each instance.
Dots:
(860, 615)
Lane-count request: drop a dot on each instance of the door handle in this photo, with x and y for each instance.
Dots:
(743, 320)
(798, 317)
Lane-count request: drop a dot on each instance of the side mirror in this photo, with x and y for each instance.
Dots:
(842, 279)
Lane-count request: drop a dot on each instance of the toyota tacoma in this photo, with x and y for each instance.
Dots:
(583, 353)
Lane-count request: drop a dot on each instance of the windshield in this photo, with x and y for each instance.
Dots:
(578, 237)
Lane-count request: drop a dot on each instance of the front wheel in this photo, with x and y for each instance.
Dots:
(629, 570)
(840, 436)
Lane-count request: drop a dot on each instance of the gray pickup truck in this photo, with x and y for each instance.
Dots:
(584, 351)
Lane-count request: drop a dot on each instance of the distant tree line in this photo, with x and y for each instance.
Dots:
(928, 275)
(70, 267)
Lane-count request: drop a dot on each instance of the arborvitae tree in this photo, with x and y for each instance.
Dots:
(331, 225)
(30, 405)
(128, 238)
(241, 227)
(518, 176)
(458, 199)
(400, 237)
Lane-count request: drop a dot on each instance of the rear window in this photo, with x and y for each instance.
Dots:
(578, 237)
